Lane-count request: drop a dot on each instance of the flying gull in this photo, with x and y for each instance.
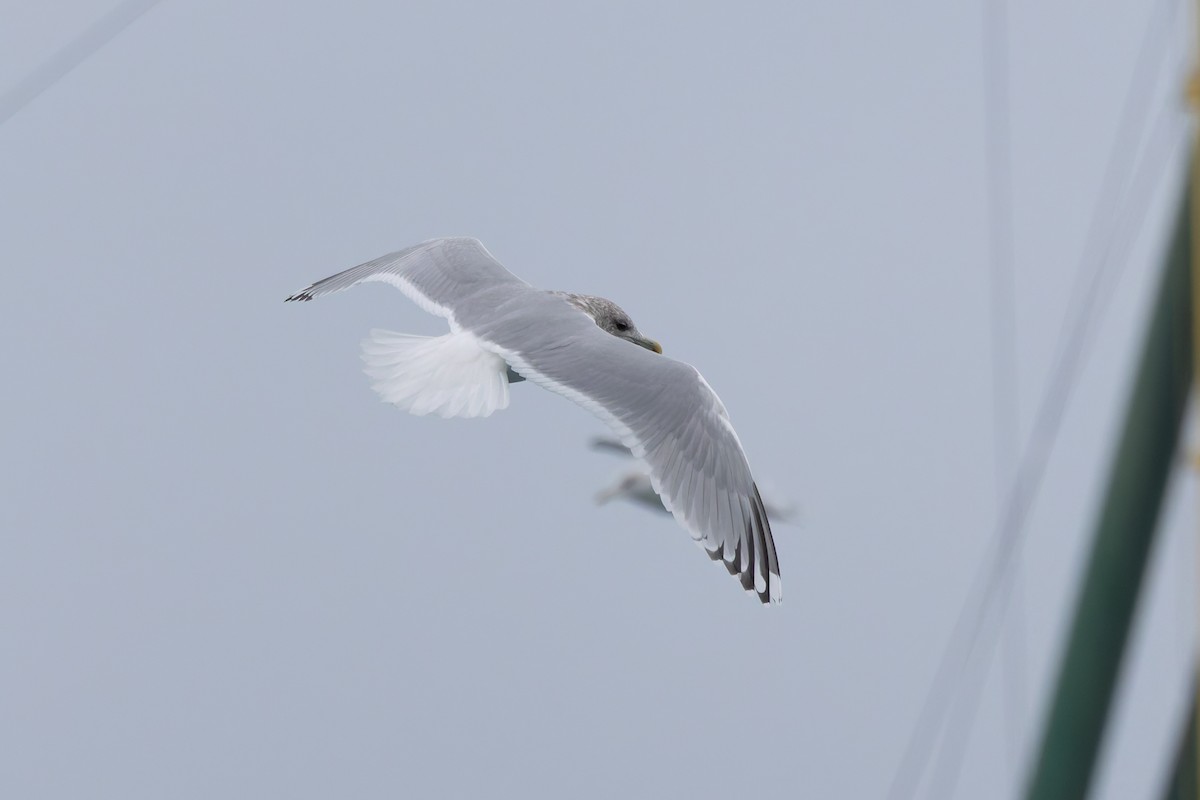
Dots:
(587, 349)
(634, 484)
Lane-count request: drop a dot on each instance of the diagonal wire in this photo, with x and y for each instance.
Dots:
(1164, 142)
(71, 55)
(1023, 491)
(1005, 393)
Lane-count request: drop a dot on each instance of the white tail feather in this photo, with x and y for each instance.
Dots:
(451, 375)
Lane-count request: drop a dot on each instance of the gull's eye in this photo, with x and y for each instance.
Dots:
(622, 326)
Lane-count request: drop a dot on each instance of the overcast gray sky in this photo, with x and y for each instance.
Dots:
(229, 571)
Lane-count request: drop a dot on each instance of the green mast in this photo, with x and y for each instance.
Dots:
(1138, 479)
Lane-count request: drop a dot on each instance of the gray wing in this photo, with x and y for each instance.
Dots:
(610, 445)
(671, 419)
(456, 278)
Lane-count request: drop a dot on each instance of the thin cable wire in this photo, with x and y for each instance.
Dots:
(1031, 469)
(1165, 139)
(1005, 393)
(71, 55)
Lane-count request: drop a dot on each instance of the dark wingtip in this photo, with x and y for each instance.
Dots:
(745, 578)
(301, 296)
(772, 565)
(609, 445)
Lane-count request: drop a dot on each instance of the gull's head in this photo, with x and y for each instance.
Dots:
(611, 318)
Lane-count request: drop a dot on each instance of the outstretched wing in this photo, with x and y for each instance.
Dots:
(670, 418)
(455, 278)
